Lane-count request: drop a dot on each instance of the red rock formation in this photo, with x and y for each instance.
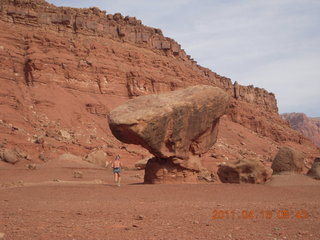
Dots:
(178, 126)
(85, 63)
(308, 127)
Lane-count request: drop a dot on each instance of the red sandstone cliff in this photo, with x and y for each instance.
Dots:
(80, 63)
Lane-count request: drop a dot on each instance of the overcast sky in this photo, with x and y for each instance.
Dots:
(273, 44)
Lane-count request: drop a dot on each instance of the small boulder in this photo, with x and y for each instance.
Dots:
(314, 171)
(78, 174)
(10, 156)
(64, 134)
(244, 171)
(288, 160)
(97, 157)
(32, 166)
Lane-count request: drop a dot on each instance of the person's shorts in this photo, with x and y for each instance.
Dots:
(117, 170)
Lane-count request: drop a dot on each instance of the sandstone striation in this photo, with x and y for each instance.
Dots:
(178, 125)
(43, 19)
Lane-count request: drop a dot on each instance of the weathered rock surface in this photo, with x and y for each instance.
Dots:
(288, 160)
(244, 171)
(10, 156)
(176, 127)
(314, 171)
(175, 124)
(165, 171)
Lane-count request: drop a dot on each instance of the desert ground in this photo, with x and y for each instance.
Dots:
(49, 203)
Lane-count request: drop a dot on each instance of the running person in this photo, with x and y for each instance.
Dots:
(116, 166)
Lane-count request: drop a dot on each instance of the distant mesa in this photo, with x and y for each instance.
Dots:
(309, 127)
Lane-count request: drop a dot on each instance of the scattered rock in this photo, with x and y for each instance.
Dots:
(141, 164)
(78, 174)
(97, 157)
(139, 217)
(314, 172)
(32, 166)
(64, 134)
(10, 156)
(39, 139)
(207, 176)
(135, 225)
(244, 171)
(288, 160)
(43, 157)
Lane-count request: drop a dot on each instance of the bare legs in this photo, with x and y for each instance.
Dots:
(117, 178)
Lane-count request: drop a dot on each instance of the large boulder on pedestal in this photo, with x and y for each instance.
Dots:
(179, 125)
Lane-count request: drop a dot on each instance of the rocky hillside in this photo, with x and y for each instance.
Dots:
(63, 70)
(309, 127)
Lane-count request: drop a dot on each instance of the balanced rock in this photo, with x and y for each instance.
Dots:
(176, 127)
(288, 160)
(244, 171)
(173, 124)
(314, 171)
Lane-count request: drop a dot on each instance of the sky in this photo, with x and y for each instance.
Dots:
(273, 44)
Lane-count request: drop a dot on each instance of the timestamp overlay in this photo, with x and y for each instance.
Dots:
(247, 214)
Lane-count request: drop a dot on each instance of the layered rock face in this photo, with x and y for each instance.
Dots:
(178, 125)
(80, 32)
(64, 69)
(308, 127)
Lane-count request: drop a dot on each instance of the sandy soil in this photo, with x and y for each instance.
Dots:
(48, 203)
